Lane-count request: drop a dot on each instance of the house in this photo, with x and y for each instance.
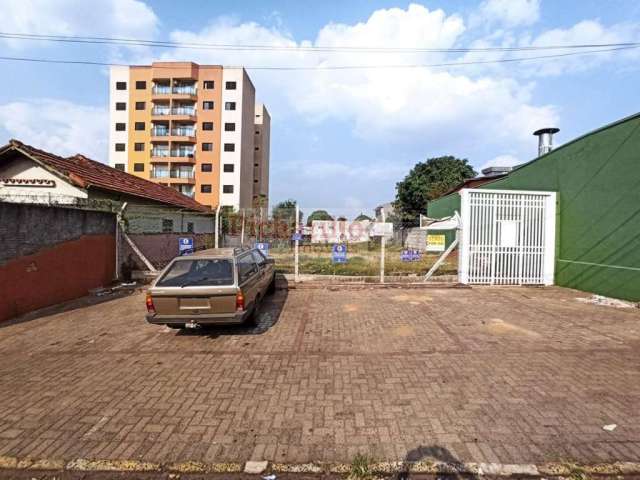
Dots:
(595, 180)
(62, 221)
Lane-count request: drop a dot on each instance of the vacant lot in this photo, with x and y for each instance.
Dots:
(488, 375)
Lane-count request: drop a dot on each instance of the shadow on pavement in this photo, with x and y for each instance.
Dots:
(437, 454)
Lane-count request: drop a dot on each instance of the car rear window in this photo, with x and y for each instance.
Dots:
(184, 273)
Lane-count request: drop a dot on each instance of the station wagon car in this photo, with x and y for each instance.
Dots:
(211, 287)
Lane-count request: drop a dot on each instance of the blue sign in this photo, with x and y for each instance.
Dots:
(296, 237)
(339, 253)
(263, 247)
(185, 245)
(410, 255)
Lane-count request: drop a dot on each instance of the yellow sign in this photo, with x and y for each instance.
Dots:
(435, 243)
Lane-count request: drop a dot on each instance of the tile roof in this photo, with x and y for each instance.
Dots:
(86, 173)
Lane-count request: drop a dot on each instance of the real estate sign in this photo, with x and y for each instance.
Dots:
(435, 242)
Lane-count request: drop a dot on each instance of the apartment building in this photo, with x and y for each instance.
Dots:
(196, 128)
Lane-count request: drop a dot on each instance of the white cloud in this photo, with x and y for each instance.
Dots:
(116, 18)
(58, 126)
(502, 161)
(509, 13)
(431, 107)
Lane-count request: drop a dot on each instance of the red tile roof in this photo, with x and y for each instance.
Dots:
(86, 173)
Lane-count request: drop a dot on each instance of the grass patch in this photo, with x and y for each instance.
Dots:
(360, 467)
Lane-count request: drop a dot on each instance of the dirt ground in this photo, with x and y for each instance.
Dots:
(510, 375)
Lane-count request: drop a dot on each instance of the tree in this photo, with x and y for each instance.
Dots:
(362, 217)
(342, 218)
(285, 211)
(427, 181)
(318, 215)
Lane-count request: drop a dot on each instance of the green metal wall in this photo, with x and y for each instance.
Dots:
(597, 178)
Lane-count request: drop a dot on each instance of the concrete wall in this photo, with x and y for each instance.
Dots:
(51, 255)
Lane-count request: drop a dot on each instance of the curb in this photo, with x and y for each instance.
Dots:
(380, 468)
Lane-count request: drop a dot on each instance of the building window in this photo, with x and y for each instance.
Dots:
(256, 164)
(228, 167)
(208, 84)
(229, 127)
(207, 147)
(227, 189)
(121, 127)
(229, 147)
(257, 148)
(141, 85)
(207, 126)
(138, 147)
(230, 85)
(121, 85)
(167, 225)
(205, 188)
(257, 132)
(229, 105)
(190, 227)
(119, 166)
(121, 106)
(119, 147)
(139, 126)
(207, 105)
(138, 167)
(206, 167)
(140, 105)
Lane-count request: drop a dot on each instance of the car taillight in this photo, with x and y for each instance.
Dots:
(239, 301)
(150, 307)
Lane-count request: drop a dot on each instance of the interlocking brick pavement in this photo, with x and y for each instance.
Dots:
(511, 375)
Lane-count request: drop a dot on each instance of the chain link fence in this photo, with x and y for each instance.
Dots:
(320, 242)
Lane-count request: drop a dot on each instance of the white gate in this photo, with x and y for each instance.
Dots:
(508, 237)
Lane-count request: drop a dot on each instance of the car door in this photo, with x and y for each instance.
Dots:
(263, 270)
(248, 277)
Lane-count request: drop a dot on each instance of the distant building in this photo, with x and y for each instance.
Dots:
(191, 127)
(388, 210)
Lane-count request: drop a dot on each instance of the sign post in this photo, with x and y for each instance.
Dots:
(339, 253)
(296, 276)
(263, 247)
(185, 246)
(382, 248)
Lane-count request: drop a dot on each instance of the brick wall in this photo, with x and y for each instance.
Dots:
(50, 255)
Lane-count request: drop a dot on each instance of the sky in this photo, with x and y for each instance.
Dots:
(340, 139)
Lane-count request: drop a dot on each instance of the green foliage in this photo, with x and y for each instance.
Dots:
(427, 181)
(285, 211)
(360, 467)
(362, 217)
(318, 215)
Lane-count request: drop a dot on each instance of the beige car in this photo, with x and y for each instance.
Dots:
(211, 287)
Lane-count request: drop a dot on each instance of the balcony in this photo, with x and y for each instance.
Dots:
(184, 134)
(174, 176)
(176, 113)
(166, 155)
(179, 91)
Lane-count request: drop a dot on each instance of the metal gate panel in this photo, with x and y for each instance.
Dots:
(508, 237)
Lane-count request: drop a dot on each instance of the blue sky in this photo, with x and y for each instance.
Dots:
(341, 139)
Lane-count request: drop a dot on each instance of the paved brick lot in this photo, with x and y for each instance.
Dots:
(482, 375)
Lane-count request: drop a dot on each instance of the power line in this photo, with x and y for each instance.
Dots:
(343, 67)
(297, 48)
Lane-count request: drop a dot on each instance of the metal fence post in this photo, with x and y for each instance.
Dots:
(382, 247)
(216, 227)
(297, 244)
(242, 230)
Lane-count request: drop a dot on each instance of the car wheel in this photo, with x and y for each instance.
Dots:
(252, 319)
